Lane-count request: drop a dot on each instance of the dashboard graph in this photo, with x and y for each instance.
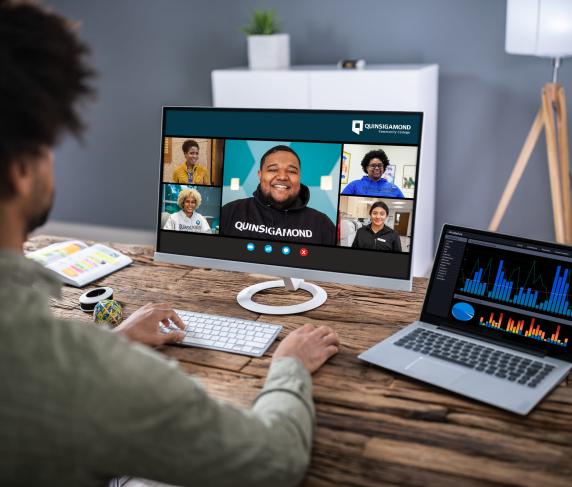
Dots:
(537, 285)
(524, 327)
(523, 295)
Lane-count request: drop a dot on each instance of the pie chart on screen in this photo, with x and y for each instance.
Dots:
(463, 311)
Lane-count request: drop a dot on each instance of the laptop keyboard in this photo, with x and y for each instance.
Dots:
(487, 360)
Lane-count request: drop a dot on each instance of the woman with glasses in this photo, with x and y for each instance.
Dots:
(374, 164)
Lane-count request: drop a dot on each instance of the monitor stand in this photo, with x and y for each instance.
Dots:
(319, 296)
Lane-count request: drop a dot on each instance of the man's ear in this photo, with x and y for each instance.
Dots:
(259, 173)
(21, 177)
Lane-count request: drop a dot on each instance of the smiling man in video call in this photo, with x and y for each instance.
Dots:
(81, 405)
(278, 207)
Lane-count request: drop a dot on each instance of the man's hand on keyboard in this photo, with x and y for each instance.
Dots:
(311, 345)
(144, 325)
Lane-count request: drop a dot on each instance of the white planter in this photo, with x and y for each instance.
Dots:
(269, 52)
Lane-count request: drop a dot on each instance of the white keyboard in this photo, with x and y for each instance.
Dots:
(227, 334)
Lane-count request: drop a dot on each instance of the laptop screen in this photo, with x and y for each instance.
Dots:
(509, 289)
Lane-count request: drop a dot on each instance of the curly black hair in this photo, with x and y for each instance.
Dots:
(43, 75)
(375, 154)
(187, 144)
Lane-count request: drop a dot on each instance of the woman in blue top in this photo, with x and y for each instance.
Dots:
(374, 164)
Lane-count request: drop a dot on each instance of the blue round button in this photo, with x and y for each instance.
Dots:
(286, 250)
(250, 246)
(268, 248)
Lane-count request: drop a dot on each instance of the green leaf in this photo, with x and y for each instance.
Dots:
(263, 22)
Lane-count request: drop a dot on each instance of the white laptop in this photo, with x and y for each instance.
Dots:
(496, 323)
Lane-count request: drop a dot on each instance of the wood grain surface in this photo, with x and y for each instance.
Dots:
(374, 427)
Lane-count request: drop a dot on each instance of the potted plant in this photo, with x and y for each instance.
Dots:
(267, 48)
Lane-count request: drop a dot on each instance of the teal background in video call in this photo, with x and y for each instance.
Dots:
(242, 160)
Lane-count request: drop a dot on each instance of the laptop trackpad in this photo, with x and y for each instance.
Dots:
(434, 371)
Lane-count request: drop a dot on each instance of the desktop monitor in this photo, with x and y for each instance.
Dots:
(299, 194)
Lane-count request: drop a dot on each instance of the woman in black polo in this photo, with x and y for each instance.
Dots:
(377, 235)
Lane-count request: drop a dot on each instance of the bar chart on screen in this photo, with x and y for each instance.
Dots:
(528, 327)
(536, 285)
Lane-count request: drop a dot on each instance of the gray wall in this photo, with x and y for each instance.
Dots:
(151, 53)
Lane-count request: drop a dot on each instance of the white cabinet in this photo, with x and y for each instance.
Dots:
(399, 87)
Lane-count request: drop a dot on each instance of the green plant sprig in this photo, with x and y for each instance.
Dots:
(263, 23)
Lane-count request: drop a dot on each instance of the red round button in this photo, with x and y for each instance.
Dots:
(304, 251)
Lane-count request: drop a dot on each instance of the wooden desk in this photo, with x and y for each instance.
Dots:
(374, 426)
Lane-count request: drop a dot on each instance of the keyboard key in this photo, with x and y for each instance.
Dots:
(451, 359)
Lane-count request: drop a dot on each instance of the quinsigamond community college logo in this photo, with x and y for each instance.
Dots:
(357, 126)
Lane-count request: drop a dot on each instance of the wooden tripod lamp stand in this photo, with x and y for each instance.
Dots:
(544, 28)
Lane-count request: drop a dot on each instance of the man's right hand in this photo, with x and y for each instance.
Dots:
(143, 325)
(311, 345)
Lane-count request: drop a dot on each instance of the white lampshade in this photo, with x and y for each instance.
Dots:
(539, 27)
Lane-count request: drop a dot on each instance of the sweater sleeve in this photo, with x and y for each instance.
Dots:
(226, 219)
(144, 417)
(331, 232)
(200, 175)
(177, 176)
(350, 188)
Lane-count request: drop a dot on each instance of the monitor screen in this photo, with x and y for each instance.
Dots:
(328, 195)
